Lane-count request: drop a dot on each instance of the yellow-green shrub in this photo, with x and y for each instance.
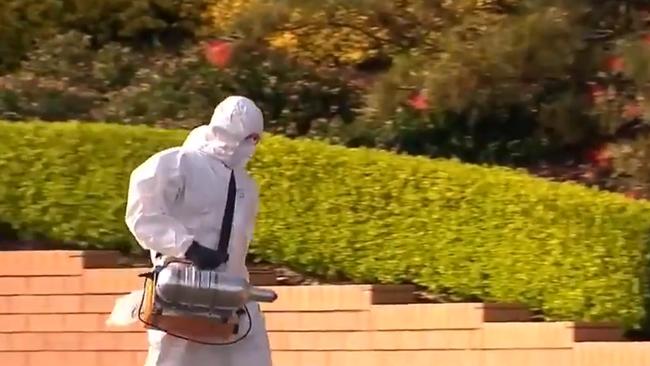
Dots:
(366, 215)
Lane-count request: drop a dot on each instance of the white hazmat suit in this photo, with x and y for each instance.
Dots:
(178, 196)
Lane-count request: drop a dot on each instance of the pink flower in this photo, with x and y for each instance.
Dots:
(218, 53)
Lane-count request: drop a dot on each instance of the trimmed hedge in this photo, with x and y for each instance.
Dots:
(367, 215)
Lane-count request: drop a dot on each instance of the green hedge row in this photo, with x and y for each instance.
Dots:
(366, 215)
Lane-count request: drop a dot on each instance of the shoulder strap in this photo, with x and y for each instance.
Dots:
(226, 224)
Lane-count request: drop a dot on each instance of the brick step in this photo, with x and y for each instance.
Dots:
(57, 341)
(496, 335)
(374, 340)
(280, 341)
(612, 354)
(100, 299)
(275, 321)
(72, 263)
(602, 355)
(530, 336)
(416, 317)
(545, 335)
(585, 354)
(41, 285)
(445, 316)
(63, 323)
(322, 297)
(294, 341)
(352, 321)
(112, 260)
(292, 298)
(337, 297)
(40, 263)
(280, 358)
(57, 304)
(54, 262)
(89, 312)
(94, 281)
(380, 358)
(77, 358)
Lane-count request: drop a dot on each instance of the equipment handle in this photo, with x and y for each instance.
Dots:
(262, 294)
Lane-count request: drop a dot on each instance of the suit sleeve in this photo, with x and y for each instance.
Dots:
(153, 188)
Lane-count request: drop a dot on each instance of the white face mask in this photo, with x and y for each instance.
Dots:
(242, 154)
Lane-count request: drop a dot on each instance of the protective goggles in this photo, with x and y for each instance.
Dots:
(254, 138)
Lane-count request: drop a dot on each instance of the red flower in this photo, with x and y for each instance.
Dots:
(615, 64)
(418, 101)
(600, 156)
(218, 53)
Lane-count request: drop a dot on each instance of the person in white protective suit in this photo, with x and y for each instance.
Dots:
(175, 205)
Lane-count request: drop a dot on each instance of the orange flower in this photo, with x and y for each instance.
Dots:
(218, 53)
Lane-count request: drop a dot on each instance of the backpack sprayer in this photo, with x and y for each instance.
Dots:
(203, 306)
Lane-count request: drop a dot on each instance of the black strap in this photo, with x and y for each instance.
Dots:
(226, 224)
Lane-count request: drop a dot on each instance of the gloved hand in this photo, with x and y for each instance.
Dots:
(202, 257)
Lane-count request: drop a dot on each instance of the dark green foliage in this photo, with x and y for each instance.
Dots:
(65, 78)
(141, 23)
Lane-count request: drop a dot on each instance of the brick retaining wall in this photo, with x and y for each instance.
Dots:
(53, 308)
